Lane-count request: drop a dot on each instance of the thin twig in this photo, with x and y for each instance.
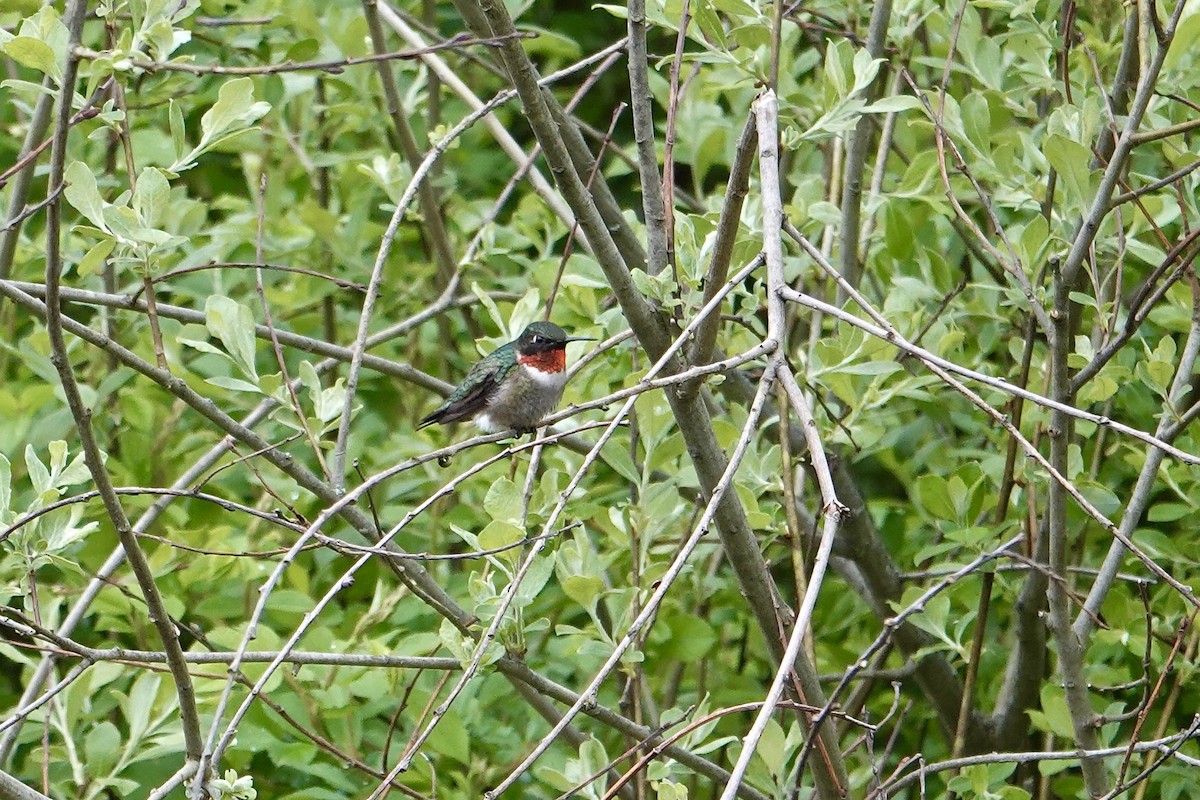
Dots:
(664, 582)
(943, 370)
(888, 333)
(1143, 490)
(305, 344)
(334, 66)
(338, 282)
(433, 229)
(893, 785)
(857, 148)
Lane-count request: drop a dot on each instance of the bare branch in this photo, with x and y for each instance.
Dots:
(643, 131)
(82, 415)
(857, 147)
(13, 789)
(332, 67)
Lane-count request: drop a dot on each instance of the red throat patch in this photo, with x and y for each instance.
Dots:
(549, 361)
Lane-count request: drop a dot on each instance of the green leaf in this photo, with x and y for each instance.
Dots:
(1156, 375)
(309, 378)
(884, 367)
(39, 476)
(83, 194)
(592, 756)
(934, 495)
(101, 748)
(583, 589)
(669, 790)
(865, 70)
(233, 324)
(1169, 512)
(895, 103)
(138, 706)
(1098, 389)
(737, 7)
(536, 578)
(1071, 160)
(234, 384)
(63, 474)
(691, 638)
(502, 534)
(1033, 240)
(450, 738)
(1101, 497)
(94, 258)
(175, 119)
(1054, 717)
(58, 458)
(489, 304)
(127, 226)
(47, 27)
(303, 50)
(503, 501)
(835, 74)
(235, 107)
(151, 196)
(202, 346)
(163, 38)
(618, 457)
(35, 54)
(772, 748)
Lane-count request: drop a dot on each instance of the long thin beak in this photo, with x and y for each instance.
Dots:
(580, 339)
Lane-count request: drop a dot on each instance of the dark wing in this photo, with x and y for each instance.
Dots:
(467, 401)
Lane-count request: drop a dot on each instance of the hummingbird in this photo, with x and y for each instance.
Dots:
(515, 386)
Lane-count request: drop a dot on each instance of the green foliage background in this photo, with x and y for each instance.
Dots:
(172, 169)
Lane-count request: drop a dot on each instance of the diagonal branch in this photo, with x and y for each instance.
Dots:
(13, 789)
(1089, 227)
(143, 572)
(725, 237)
(691, 414)
(1139, 498)
(857, 147)
(767, 116)
(433, 229)
(653, 207)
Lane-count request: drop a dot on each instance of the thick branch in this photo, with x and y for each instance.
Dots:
(433, 228)
(13, 789)
(643, 132)
(38, 123)
(691, 414)
(1089, 227)
(726, 237)
(857, 148)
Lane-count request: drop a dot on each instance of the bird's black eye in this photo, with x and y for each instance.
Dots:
(539, 339)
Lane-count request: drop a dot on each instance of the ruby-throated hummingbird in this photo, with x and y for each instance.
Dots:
(514, 387)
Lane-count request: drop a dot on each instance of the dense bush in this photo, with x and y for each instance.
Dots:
(942, 469)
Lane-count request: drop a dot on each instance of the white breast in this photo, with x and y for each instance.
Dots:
(551, 380)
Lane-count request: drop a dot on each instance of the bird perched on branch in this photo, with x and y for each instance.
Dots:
(515, 386)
